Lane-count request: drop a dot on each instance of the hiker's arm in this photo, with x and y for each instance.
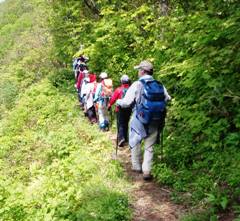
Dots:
(167, 96)
(114, 97)
(130, 96)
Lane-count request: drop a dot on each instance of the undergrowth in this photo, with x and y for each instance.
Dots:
(54, 165)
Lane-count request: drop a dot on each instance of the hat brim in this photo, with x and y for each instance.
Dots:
(137, 67)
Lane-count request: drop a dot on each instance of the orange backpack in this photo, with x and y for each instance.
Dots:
(107, 88)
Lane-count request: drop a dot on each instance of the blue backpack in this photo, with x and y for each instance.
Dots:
(151, 106)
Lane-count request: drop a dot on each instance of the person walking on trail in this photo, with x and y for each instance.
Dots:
(123, 114)
(149, 98)
(84, 90)
(80, 64)
(76, 61)
(82, 58)
(102, 97)
(81, 67)
(80, 83)
(88, 98)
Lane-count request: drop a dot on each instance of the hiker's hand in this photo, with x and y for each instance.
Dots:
(118, 102)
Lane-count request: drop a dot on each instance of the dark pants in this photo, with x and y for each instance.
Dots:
(91, 113)
(123, 117)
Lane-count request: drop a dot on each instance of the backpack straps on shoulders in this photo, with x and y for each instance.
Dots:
(145, 81)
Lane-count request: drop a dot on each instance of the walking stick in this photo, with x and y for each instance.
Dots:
(117, 134)
(111, 118)
(161, 144)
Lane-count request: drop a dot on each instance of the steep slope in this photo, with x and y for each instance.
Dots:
(53, 165)
(25, 46)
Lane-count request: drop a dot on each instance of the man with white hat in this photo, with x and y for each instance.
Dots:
(140, 128)
(102, 97)
(123, 114)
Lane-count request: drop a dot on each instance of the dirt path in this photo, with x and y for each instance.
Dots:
(150, 201)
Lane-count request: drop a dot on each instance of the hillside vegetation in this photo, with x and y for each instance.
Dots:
(54, 166)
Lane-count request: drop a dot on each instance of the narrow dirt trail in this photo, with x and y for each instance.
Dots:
(150, 202)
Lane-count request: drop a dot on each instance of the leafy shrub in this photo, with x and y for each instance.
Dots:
(61, 78)
(56, 172)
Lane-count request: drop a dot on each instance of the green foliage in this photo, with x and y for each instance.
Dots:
(61, 78)
(50, 167)
(24, 49)
(195, 51)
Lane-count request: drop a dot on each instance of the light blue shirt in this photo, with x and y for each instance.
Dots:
(98, 92)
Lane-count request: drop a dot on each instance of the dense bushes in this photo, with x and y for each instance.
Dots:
(195, 51)
(53, 164)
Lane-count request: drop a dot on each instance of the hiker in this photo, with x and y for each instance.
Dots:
(81, 76)
(123, 114)
(88, 94)
(148, 118)
(81, 66)
(74, 65)
(76, 61)
(83, 91)
(102, 97)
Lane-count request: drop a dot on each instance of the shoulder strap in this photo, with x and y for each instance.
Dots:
(145, 81)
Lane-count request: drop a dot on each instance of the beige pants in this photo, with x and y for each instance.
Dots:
(136, 153)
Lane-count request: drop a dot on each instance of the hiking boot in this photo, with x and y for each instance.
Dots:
(106, 129)
(93, 121)
(147, 176)
(121, 142)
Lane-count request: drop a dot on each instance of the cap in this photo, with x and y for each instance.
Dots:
(124, 79)
(103, 75)
(144, 65)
